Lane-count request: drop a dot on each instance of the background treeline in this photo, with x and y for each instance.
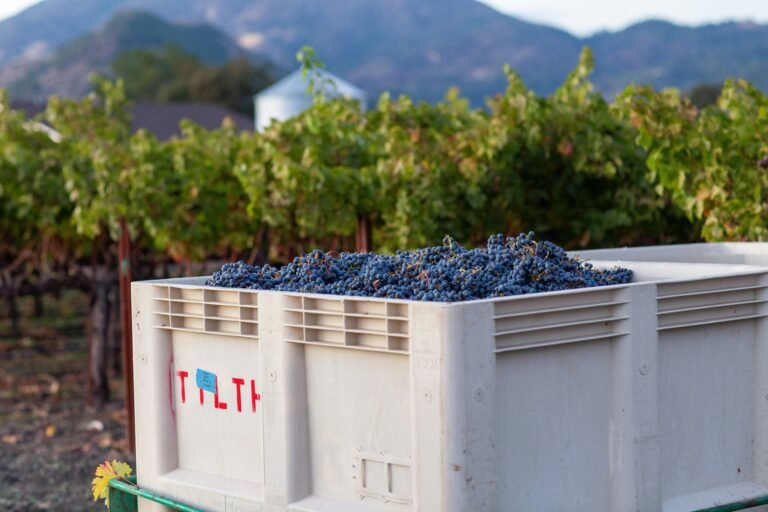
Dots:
(171, 74)
(648, 167)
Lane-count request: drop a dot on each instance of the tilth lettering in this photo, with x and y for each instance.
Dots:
(218, 403)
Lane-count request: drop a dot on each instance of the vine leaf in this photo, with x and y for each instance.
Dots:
(104, 474)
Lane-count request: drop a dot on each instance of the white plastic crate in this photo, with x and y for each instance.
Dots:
(741, 253)
(738, 253)
(643, 397)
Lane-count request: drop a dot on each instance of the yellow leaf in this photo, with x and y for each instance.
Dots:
(121, 468)
(104, 474)
(99, 485)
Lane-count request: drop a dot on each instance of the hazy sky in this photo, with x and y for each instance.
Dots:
(584, 17)
(587, 16)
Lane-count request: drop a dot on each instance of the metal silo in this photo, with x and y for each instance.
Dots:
(288, 97)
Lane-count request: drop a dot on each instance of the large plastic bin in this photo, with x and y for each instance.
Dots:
(642, 397)
(742, 253)
(737, 253)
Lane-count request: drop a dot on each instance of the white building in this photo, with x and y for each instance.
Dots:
(288, 97)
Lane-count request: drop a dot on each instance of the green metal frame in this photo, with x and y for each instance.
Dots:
(739, 505)
(124, 497)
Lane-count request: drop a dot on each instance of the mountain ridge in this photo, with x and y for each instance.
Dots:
(422, 47)
(66, 72)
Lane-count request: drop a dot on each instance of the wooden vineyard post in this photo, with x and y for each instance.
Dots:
(126, 341)
(364, 238)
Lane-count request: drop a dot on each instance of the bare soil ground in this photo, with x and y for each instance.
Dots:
(50, 440)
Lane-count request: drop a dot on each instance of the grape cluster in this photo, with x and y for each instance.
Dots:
(506, 266)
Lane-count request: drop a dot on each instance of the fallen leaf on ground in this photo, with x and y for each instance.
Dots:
(39, 412)
(50, 430)
(10, 439)
(94, 426)
(121, 445)
(119, 416)
(53, 383)
(6, 381)
(104, 441)
(29, 389)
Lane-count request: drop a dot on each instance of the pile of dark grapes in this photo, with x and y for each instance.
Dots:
(514, 265)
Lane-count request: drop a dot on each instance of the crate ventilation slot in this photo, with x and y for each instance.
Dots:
(224, 312)
(351, 323)
(555, 320)
(382, 477)
(711, 301)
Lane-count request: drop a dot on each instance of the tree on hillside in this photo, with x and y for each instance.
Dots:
(171, 74)
(704, 95)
